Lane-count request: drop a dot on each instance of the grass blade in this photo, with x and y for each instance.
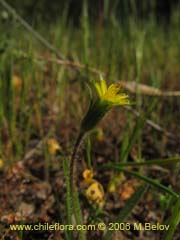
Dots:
(78, 213)
(173, 221)
(141, 120)
(167, 161)
(146, 179)
(68, 196)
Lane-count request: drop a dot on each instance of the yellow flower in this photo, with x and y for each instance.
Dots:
(1, 163)
(95, 194)
(88, 174)
(111, 94)
(53, 146)
(17, 82)
(108, 97)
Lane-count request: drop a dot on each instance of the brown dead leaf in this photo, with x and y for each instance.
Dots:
(11, 218)
(128, 189)
(26, 209)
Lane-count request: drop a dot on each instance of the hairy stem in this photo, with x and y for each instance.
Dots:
(73, 188)
(74, 159)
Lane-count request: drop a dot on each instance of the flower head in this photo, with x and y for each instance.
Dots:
(94, 191)
(17, 83)
(111, 94)
(53, 146)
(95, 194)
(88, 174)
(108, 97)
(1, 163)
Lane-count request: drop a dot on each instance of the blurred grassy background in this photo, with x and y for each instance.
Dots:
(127, 40)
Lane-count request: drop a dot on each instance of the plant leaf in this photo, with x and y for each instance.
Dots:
(68, 196)
(166, 161)
(146, 179)
(173, 221)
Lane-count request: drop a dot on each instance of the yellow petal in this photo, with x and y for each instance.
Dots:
(53, 146)
(1, 163)
(103, 86)
(114, 89)
(16, 82)
(98, 88)
(95, 194)
(121, 99)
(88, 174)
(112, 92)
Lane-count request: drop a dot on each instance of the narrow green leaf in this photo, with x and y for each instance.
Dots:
(166, 161)
(146, 179)
(72, 200)
(130, 204)
(77, 212)
(141, 120)
(173, 221)
(68, 196)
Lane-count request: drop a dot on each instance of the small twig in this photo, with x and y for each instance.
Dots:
(147, 90)
(31, 30)
(71, 64)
